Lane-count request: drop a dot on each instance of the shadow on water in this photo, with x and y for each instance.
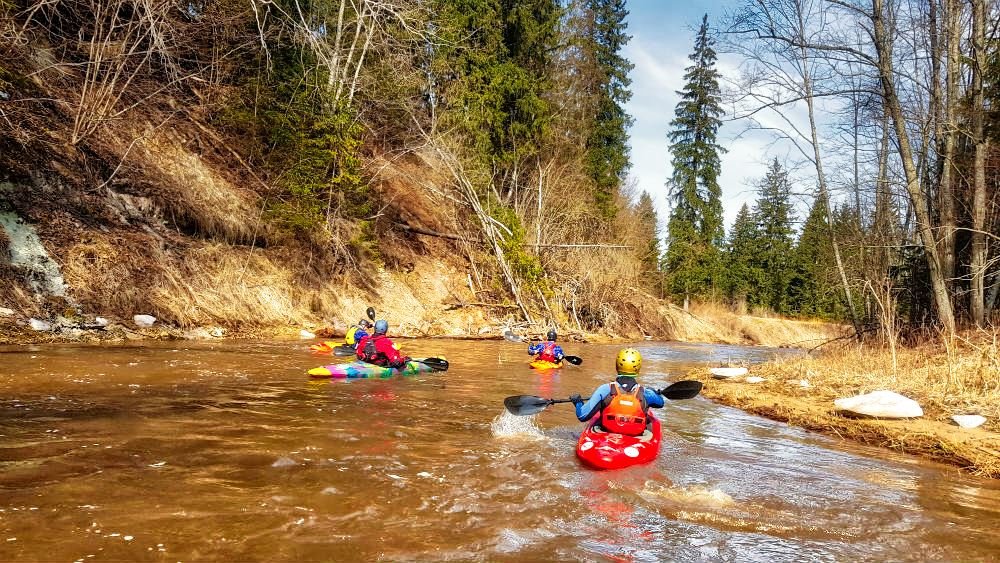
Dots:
(228, 451)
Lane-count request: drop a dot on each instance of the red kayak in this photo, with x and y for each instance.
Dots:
(605, 450)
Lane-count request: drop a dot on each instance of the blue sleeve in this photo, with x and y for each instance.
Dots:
(535, 348)
(558, 352)
(653, 399)
(359, 335)
(586, 411)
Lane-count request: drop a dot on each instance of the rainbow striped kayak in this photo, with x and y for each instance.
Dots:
(361, 370)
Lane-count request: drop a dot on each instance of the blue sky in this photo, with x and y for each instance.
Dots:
(662, 37)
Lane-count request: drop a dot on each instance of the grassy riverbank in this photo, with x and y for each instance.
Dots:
(961, 376)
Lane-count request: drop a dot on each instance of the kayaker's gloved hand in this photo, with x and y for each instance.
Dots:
(576, 399)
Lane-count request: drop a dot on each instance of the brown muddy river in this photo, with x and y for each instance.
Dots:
(227, 451)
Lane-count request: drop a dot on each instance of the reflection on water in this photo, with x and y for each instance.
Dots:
(228, 451)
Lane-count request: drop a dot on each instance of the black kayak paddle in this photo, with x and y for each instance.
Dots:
(436, 364)
(524, 405)
(511, 337)
(344, 350)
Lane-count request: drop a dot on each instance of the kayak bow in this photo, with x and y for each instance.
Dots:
(606, 450)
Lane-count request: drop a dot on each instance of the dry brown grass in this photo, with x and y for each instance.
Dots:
(712, 322)
(194, 194)
(962, 377)
(218, 284)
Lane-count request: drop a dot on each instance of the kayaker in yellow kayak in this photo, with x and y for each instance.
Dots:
(356, 332)
(547, 351)
(623, 403)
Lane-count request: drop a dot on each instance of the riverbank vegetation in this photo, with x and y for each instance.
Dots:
(269, 163)
(256, 163)
(946, 376)
(884, 117)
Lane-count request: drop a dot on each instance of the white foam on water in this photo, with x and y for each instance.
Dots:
(284, 462)
(507, 425)
(690, 495)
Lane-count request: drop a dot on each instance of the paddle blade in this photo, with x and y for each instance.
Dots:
(370, 312)
(436, 364)
(524, 405)
(511, 337)
(344, 351)
(681, 390)
(320, 349)
(575, 360)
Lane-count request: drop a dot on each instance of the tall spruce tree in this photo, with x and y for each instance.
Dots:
(607, 155)
(492, 64)
(649, 249)
(743, 272)
(773, 213)
(814, 287)
(695, 230)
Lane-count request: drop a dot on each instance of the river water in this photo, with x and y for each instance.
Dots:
(228, 451)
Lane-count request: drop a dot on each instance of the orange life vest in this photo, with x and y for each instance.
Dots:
(625, 412)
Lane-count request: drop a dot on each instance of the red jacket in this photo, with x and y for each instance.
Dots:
(379, 350)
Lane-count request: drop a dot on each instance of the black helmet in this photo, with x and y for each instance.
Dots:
(365, 323)
(551, 336)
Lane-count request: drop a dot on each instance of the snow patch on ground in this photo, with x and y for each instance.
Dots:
(28, 253)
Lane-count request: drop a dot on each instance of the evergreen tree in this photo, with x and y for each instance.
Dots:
(649, 249)
(695, 230)
(773, 213)
(493, 66)
(814, 290)
(529, 33)
(743, 271)
(607, 155)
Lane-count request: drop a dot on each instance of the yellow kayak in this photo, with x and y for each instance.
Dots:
(544, 365)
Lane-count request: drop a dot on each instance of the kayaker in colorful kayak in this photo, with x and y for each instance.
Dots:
(547, 351)
(379, 350)
(623, 403)
(356, 332)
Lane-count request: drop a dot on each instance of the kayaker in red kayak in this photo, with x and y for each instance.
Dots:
(547, 351)
(379, 350)
(623, 403)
